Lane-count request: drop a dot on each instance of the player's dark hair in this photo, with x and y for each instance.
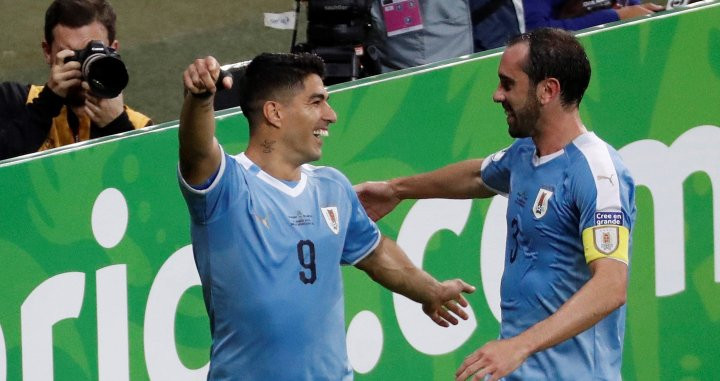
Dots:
(555, 53)
(271, 76)
(78, 13)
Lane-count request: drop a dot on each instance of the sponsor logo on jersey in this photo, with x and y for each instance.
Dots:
(608, 178)
(263, 220)
(609, 218)
(542, 200)
(606, 239)
(331, 218)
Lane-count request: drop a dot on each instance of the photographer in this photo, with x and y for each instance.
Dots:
(67, 109)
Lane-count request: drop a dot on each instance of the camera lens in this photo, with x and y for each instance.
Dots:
(105, 74)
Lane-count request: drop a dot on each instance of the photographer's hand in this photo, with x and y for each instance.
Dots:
(102, 111)
(64, 76)
(632, 11)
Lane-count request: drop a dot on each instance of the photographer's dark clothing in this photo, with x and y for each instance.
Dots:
(25, 126)
(568, 14)
(495, 22)
(33, 118)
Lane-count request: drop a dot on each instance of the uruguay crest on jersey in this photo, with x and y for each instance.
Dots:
(541, 202)
(330, 214)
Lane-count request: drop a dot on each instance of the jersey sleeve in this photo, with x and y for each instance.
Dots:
(363, 235)
(605, 199)
(495, 170)
(207, 204)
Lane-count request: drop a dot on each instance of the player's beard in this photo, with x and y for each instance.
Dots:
(525, 119)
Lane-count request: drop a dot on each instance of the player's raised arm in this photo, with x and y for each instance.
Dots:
(199, 150)
(441, 301)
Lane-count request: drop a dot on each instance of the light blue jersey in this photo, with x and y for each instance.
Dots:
(269, 253)
(565, 210)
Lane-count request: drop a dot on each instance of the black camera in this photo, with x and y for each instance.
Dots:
(337, 22)
(336, 31)
(102, 68)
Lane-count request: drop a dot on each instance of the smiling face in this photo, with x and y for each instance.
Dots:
(516, 94)
(306, 117)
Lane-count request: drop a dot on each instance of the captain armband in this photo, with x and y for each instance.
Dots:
(606, 241)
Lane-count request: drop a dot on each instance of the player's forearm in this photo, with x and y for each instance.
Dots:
(456, 181)
(390, 267)
(199, 153)
(197, 125)
(605, 292)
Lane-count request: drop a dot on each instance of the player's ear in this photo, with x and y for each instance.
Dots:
(547, 90)
(272, 113)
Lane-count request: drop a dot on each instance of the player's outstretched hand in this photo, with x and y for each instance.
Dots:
(378, 198)
(496, 359)
(447, 304)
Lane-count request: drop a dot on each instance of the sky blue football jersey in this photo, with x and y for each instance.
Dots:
(269, 253)
(564, 211)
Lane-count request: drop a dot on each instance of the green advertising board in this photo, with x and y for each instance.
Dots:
(98, 280)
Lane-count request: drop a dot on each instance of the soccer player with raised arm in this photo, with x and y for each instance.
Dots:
(269, 231)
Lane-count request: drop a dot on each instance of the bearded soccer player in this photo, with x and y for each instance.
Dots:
(571, 208)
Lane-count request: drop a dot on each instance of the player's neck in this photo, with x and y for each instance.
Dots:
(557, 130)
(273, 162)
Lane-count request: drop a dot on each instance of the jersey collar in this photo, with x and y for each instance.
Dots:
(292, 191)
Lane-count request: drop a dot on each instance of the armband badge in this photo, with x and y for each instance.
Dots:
(606, 239)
